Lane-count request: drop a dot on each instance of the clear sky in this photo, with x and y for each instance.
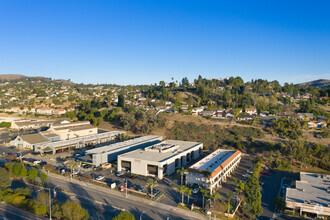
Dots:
(143, 42)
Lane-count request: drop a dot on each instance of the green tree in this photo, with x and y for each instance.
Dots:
(73, 211)
(23, 172)
(215, 196)
(5, 180)
(279, 203)
(17, 169)
(124, 216)
(253, 195)
(182, 190)
(41, 203)
(181, 171)
(205, 193)
(189, 191)
(57, 210)
(33, 174)
(121, 100)
(43, 177)
(151, 183)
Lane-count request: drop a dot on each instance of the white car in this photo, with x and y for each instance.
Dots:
(99, 177)
(208, 212)
(196, 190)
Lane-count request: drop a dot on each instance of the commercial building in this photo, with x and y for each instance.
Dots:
(109, 152)
(311, 195)
(77, 142)
(214, 169)
(31, 124)
(160, 159)
(68, 130)
(29, 141)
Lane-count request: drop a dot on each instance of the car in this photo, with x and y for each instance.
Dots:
(284, 186)
(207, 212)
(117, 182)
(265, 173)
(155, 191)
(245, 175)
(250, 171)
(139, 188)
(130, 185)
(97, 168)
(99, 177)
(43, 163)
(119, 173)
(195, 190)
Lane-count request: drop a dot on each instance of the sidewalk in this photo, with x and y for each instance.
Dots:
(154, 204)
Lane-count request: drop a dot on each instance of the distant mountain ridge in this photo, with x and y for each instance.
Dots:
(320, 83)
(11, 76)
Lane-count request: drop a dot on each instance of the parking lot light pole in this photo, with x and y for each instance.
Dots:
(142, 214)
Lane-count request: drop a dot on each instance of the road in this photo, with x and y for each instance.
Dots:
(11, 212)
(103, 205)
(272, 185)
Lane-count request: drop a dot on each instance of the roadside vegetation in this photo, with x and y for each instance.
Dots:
(22, 198)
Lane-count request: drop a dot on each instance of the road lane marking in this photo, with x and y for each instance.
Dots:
(15, 213)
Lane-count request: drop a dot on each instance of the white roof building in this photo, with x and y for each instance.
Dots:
(160, 159)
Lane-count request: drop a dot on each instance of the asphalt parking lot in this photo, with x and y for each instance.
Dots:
(8, 135)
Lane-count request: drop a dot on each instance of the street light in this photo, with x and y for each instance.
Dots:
(142, 214)
(50, 203)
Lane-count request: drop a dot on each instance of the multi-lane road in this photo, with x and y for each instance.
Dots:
(13, 213)
(103, 204)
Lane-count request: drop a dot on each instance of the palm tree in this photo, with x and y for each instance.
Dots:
(205, 193)
(152, 183)
(215, 196)
(189, 191)
(182, 190)
(181, 172)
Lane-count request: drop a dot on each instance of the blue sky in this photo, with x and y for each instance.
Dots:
(143, 42)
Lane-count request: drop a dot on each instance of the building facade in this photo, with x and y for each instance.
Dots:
(214, 169)
(160, 159)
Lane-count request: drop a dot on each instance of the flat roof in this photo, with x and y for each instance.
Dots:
(215, 162)
(312, 189)
(77, 140)
(212, 161)
(22, 123)
(124, 144)
(162, 151)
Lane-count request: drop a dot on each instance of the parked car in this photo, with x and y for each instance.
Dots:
(250, 171)
(139, 188)
(119, 173)
(265, 173)
(99, 177)
(117, 182)
(155, 191)
(195, 190)
(208, 212)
